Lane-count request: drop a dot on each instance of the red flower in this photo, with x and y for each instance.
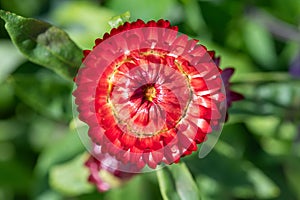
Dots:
(102, 175)
(148, 94)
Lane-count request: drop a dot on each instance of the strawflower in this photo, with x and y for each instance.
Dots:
(149, 94)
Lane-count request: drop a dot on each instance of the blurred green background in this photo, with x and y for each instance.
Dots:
(258, 154)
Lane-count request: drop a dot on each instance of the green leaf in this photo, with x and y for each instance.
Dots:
(136, 188)
(264, 126)
(43, 44)
(176, 182)
(43, 132)
(221, 176)
(263, 186)
(71, 178)
(40, 98)
(260, 44)
(276, 136)
(58, 151)
(167, 185)
(185, 184)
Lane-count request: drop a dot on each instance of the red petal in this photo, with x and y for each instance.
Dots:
(204, 125)
(98, 41)
(149, 143)
(198, 84)
(169, 136)
(113, 133)
(179, 45)
(185, 141)
(171, 154)
(163, 23)
(86, 52)
(142, 114)
(151, 23)
(128, 140)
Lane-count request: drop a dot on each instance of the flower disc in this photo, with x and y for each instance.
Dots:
(149, 95)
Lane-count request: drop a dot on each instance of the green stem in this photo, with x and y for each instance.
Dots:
(262, 77)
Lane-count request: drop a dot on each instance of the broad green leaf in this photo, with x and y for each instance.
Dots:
(50, 96)
(260, 44)
(139, 187)
(276, 136)
(232, 142)
(263, 186)
(167, 184)
(230, 177)
(176, 182)
(185, 184)
(131, 190)
(71, 178)
(10, 59)
(58, 151)
(263, 126)
(43, 132)
(43, 44)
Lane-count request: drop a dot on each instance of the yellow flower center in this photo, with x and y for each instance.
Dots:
(150, 93)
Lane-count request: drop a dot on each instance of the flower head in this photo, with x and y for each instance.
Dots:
(148, 94)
